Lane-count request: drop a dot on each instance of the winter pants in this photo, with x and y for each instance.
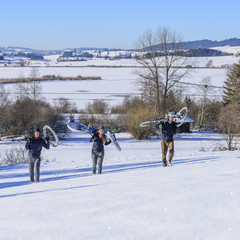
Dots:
(97, 159)
(34, 163)
(165, 146)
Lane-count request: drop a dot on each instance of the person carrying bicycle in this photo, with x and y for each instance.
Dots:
(34, 146)
(169, 129)
(99, 139)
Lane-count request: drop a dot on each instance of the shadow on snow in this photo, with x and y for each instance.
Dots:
(42, 191)
(64, 174)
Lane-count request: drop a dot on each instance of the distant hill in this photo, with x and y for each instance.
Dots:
(199, 44)
(204, 52)
(27, 50)
(201, 48)
(210, 44)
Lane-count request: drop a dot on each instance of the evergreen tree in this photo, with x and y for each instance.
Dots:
(231, 92)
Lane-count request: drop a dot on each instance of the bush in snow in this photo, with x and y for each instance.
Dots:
(16, 155)
(63, 105)
(25, 114)
(135, 118)
(129, 103)
(97, 107)
(229, 125)
(106, 120)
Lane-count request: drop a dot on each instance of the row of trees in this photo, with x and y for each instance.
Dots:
(229, 122)
(24, 109)
(164, 67)
(23, 115)
(159, 80)
(208, 113)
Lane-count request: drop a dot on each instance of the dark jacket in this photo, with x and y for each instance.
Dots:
(34, 146)
(168, 130)
(97, 143)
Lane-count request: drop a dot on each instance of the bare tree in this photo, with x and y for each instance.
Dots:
(3, 97)
(4, 101)
(98, 106)
(35, 87)
(163, 65)
(229, 125)
(205, 89)
(209, 63)
(63, 105)
(21, 88)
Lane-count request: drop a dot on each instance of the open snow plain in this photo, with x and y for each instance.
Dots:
(135, 197)
(116, 83)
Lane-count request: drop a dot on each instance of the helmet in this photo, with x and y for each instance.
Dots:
(102, 127)
(37, 130)
(171, 114)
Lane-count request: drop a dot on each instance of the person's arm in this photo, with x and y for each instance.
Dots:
(108, 142)
(28, 143)
(159, 125)
(91, 139)
(175, 128)
(46, 144)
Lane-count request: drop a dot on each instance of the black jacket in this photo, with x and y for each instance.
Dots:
(34, 146)
(97, 143)
(168, 130)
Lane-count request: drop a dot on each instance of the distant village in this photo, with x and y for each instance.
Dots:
(21, 58)
(24, 57)
(79, 55)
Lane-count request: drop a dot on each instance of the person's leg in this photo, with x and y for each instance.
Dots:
(100, 161)
(94, 162)
(171, 152)
(164, 152)
(37, 169)
(31, 168)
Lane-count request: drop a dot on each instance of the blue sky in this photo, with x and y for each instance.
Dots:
(56, 24)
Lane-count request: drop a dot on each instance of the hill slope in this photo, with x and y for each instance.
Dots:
(134, 198)
(210, 44)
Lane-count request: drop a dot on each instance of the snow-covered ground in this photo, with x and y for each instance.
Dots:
(116, 83)
(228, 49)
(135, 197)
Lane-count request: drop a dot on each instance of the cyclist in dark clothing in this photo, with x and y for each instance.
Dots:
(34, 146)
(169, 129)
(99, 140)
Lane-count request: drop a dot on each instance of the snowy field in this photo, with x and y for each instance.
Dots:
(135, 197)
(116, 83)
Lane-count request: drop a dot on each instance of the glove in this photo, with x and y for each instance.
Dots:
(47, 137)
(91, 139)
(71, 119)
(28, 140)
(159, 126)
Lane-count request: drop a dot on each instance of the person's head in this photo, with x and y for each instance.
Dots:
(101, 129)
(171, 115)
(37, 132)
